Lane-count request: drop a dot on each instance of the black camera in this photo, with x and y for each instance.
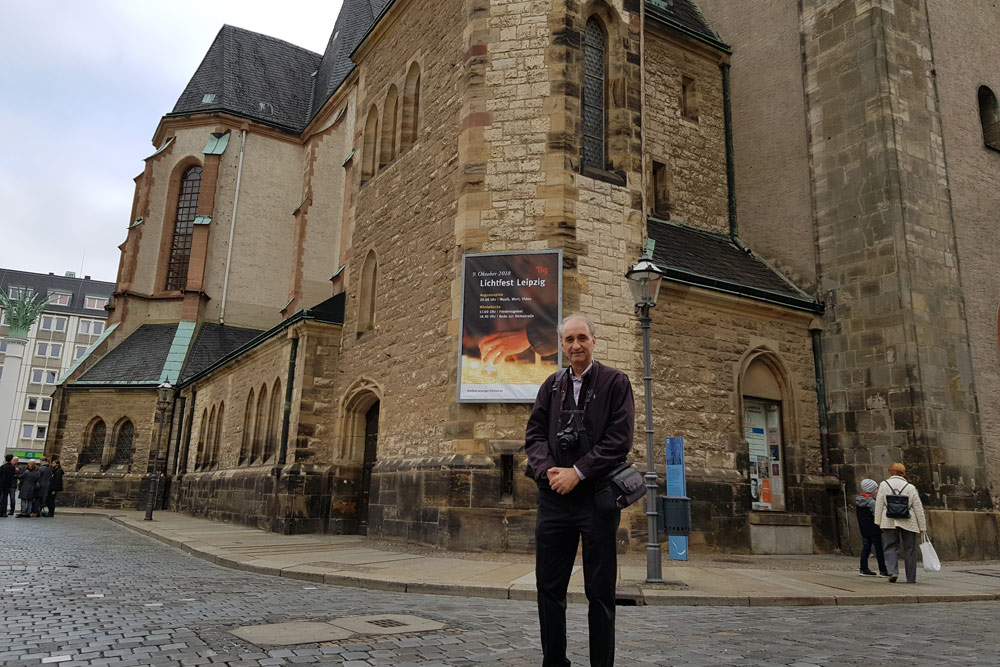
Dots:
(567, 438)
(571, 436)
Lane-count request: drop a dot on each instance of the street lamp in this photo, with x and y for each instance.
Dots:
(644, 279)
(163, 395)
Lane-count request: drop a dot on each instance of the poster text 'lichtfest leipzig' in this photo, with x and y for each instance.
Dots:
(510, 316)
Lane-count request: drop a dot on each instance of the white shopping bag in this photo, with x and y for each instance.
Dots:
(931, 561)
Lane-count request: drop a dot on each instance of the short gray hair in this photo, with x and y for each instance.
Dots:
(582, 318)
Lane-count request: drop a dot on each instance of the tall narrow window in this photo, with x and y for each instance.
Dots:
(411, 108)
(214, 459)
(689, 98)
(366, 304)
(661, 190)
(246, 449)
(203, 429)
(124, 444)
(274, 422)
(260, 428)
(369, 164)
(389, 113)
(989, 116)
(180, 245)
(594, 105)
(93, 450)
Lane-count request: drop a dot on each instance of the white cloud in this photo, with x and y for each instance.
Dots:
(84, 85)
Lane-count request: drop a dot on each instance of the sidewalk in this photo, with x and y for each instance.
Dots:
(716, 580)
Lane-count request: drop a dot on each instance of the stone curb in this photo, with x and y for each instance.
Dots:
(525, 592)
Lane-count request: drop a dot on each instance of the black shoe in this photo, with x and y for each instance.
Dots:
(883, 574)
(867, 573)
(892, 578)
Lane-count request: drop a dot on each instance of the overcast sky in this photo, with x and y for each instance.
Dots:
(83, 84)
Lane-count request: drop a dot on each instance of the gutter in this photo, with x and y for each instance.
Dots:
(232, 229)
(671, 23)
(727, 109)
(755, 293)
(286, 419)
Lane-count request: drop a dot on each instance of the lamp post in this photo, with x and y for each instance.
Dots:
(644, 280)
(163, 395)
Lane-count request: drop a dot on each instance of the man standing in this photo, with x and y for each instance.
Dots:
(44, 480)
(899, 533)
(7, 485)
(30, 490)
(580, 429)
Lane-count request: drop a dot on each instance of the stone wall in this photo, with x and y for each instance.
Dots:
(965, 54)
(899, 368)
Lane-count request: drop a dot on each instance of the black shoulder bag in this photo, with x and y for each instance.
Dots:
(619, 488)
(897, 506)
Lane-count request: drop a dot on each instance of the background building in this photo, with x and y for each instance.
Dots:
(74, 319)
(293, 267)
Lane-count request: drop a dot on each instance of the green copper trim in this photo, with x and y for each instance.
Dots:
(161, 148)
(178, 352)
(217, 143)
(93, 346)
(349, 158)
(138, 221)
(299, 207)
(339, 271)
(202, 220)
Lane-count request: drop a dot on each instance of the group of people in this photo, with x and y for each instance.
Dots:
(35, 484)
(890, 524)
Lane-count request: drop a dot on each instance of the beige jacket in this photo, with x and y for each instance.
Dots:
(916, 523)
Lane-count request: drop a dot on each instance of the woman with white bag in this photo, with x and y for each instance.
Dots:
(900, 515)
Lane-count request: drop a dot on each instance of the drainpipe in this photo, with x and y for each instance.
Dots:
(727, 110)
(187, 436)
(815, 330)
(232, 229)
(642, 119)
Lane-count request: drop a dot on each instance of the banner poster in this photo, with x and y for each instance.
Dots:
(511, 307)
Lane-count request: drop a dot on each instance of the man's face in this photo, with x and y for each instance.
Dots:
(577, 343)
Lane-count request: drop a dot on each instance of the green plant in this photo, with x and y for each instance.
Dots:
(21, 313)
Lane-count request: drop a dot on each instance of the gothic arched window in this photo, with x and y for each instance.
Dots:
(989, 116)
(366, 305)
(246, 449)
(369, 161)
(93, 448)
(389, 112)
(180, 245)
(594, 95)
(411, 108)
(124, 444)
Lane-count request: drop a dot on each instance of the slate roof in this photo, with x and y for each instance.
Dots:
(715, 261)
(254, 76)
(42, 284)
(353, 23)
(137, 359)
(685, 15)
(213, 342)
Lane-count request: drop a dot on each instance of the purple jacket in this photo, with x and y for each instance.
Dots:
(609, 420)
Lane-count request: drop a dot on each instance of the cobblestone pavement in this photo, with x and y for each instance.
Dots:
(84, 591)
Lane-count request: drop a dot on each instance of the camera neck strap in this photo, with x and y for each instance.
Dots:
(592, 385)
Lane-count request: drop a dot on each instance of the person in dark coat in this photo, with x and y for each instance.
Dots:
(44, 479)
(871, 534)
(8, 485)
(55, 486)
(31, 490)
(595, 402)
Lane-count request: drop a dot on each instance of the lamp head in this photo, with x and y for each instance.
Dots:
(164, 393)
(644, 280)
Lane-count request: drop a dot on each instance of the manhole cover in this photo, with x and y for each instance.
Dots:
(386, 624)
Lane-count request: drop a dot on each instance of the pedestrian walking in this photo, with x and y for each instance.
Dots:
(871, 534)
(30, 490)
(900, 515)
(55, 486)
(8, 485)
(580, 429)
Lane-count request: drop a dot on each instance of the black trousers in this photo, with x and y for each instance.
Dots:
(50, 502)
(563, 521)
(867, 543)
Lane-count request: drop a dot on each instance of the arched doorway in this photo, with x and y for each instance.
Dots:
(371, 452)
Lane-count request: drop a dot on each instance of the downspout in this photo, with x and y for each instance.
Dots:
(642, 120)
(727, 110)
(180, 431)
(232, 229)
(815, 330)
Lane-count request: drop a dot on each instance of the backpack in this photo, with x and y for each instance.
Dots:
(897, 506)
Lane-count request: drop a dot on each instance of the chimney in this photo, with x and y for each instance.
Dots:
(86, 277)
(71, 274)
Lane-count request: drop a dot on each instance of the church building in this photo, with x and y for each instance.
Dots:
(299, 268)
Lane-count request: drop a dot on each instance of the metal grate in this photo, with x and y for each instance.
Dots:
(187, 209)
(124, 444)
(593, 96)
(387, 623)
(95, 448)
